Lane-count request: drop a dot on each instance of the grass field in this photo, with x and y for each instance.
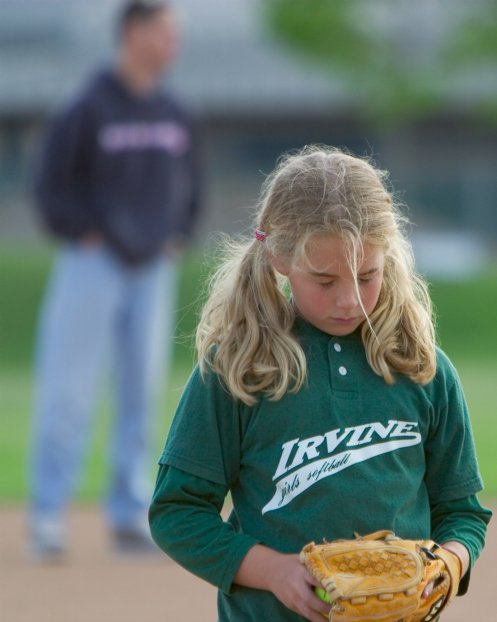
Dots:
(466, 327)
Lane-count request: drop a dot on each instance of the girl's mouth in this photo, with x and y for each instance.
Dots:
(344, 320)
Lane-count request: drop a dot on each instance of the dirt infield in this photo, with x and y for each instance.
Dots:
(94, 585)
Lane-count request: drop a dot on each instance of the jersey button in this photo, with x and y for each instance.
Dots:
(342, 371)
(338, 347)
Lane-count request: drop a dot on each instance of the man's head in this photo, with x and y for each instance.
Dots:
(148, 33)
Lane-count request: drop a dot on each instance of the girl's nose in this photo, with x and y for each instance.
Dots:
(346, 296)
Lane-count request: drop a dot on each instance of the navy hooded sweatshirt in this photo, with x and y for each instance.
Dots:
(120, 165)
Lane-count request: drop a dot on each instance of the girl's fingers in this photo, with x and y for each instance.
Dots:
(428, 590)
(323, 608)
(311, 579)
(319, 605)
(317, 615)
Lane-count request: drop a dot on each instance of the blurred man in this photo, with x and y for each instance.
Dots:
(117, 184)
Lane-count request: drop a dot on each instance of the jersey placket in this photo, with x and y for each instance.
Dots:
(343, 378)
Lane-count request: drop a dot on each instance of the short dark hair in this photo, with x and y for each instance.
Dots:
(140, 10)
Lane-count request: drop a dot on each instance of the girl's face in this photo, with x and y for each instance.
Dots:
(324, 289)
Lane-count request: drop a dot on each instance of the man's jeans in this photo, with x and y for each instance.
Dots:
(96, 311)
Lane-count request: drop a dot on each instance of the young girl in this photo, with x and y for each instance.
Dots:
(320, 400)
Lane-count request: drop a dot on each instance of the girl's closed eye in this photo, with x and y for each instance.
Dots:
(326, 284)
(368, 276)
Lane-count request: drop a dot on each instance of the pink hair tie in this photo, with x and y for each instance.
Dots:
(260, 235)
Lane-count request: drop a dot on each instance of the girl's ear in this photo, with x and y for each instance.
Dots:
(280, 266)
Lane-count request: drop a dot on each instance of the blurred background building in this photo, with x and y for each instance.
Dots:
(254, 98)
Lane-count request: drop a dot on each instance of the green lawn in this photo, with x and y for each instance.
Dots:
(15, 392)
(465, 312)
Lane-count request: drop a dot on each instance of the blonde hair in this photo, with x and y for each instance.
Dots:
(245, 330)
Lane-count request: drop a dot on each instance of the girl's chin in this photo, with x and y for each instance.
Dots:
(343, 327)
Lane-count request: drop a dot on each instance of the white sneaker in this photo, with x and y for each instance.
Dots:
(47, 539)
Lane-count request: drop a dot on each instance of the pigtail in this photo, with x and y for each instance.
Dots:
(244, 334)
(400, 335)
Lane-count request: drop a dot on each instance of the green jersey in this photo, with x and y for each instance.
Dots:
(345, 454)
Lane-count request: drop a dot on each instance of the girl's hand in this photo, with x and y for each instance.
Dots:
(283, 575)
(459, 551)
(294, 586)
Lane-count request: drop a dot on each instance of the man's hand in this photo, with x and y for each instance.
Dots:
(93, 239)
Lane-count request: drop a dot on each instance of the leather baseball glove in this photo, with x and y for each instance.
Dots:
(381, 578)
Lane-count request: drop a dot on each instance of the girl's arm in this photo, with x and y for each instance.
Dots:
(460, 525)
(186, 523)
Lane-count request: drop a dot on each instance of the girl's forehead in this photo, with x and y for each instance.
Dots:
(331, 255)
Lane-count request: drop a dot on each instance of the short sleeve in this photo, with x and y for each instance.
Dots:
(451, 464)
(205, 435)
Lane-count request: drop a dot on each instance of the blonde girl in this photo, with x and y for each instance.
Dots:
(320, 399)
